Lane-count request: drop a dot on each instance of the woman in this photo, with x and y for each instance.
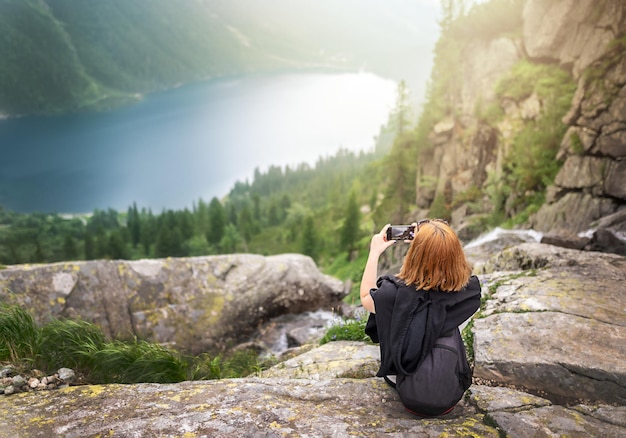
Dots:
(432, 295)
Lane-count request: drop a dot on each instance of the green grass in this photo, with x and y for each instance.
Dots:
(83, 347)
(68, 343)
(18, 335)
(138, 361)
(345, 269)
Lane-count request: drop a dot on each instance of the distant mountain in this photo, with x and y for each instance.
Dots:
(66, 55)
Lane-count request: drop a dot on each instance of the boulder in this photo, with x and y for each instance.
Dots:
(554, 323)
(615, 181)
(195, 304)
(608, 234)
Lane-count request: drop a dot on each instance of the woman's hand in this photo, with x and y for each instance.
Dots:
(379, 242)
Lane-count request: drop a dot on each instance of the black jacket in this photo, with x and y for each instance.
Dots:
(407, 321)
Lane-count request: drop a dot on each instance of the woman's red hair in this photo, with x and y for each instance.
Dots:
(435, 260)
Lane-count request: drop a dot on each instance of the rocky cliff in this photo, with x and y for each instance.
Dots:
(549, 360)
(489, 134)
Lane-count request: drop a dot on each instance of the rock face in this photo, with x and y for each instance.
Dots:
(592, 182)
(467, 153)
(196, 304)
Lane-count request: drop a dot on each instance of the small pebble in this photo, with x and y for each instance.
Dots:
(9, 390)
(19, 381)
(67, 375)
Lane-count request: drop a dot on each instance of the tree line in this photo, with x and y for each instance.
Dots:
(313, 210)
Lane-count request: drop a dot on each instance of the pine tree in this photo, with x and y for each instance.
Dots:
(230, 240)
(309, 238)
(217, 222)
(134, 225)
(148, 231)
(400, 117)
(350, 229)
(162, 244)
(90, 247)
(70, 252)
(117, 247)
(246, 223)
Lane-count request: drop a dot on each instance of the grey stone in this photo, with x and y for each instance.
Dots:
(548, 341)
(613, 145)
(6, 371)
(67, 375)
(331, 360)
(563, 356)
(197, 304)
(566, 240)
(615, 180)
(576, 137)
(19, 381)
(483, 64)
(581, 172)
(608, 240)
(554, 323)
(574, 212)
(569, 422)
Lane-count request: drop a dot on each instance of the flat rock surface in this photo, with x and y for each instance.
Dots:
(238, 407)
(277, 407)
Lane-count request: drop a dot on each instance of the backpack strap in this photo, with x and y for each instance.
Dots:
(389, 381)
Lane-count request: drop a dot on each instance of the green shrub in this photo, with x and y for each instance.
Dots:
(346, 330)
(491, 113)
(239, 364)
(439, 208)
(577, 144)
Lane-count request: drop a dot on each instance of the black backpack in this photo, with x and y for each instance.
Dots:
(439, 381)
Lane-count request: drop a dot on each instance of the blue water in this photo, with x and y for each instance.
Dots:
(175, 147)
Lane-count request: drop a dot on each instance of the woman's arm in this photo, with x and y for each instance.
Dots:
(378, 245)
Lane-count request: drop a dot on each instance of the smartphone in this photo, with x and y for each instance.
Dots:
(400, 232)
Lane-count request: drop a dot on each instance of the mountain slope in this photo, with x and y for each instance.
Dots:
(62, 55)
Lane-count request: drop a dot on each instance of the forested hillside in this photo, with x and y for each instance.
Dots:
(64, 55)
